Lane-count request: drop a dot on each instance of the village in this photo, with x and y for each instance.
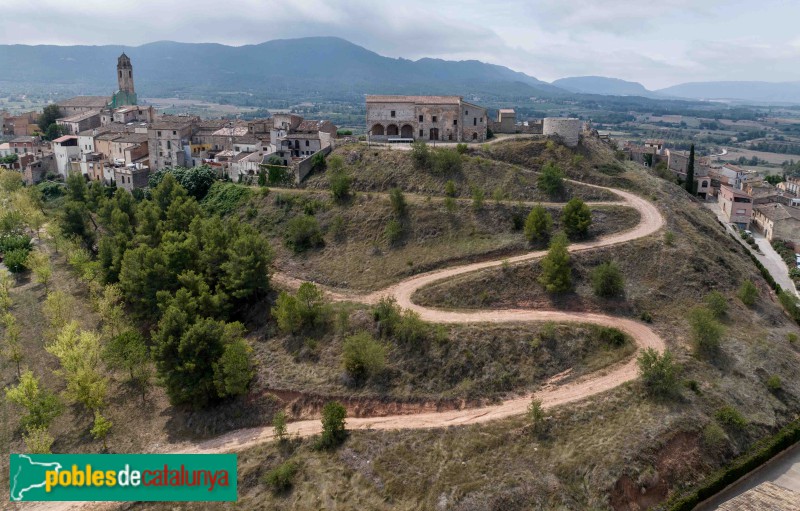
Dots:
(116, 141)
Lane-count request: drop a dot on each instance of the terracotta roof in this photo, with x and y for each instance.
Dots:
(421, 100)
(64, 139)
(776, 211)
(85, 101)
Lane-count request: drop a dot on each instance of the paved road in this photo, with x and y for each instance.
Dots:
(771, 260)
(783, 470)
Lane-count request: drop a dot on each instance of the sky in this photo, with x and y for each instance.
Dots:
(655, 43)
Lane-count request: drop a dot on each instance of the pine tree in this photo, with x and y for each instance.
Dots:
(690, 172)
(556, 271)
(538, 224)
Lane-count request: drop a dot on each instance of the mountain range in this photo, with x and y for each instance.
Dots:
(322, 67)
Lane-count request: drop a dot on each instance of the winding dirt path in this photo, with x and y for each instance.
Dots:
(552, 394)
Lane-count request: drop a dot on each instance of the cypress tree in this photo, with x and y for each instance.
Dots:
(690, 172)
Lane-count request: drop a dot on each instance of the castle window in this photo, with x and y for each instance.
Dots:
(306, 143)
(420, 120)
(120, 74)
(474, 121)
(466, 113)
(159, 133)
(174, 132)
(455, 122)
(481, 119)
(433, 118)
(392, 113)
(420, 133)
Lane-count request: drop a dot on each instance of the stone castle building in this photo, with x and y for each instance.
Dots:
(442, 118)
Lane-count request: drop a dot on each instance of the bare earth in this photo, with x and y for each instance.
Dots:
(551, 394)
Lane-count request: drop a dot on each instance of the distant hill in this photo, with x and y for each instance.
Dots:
(602, 85)
(759, 92)
(305, 68)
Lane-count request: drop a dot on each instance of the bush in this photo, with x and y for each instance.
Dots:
(224, 198)
(446, 161)
(333, 425)
(281, 477)
(340, 183)
(536, 416)
(196, 180)
(16, 259)
(748, 293)
(659, 373)
(730, 417)
(669, 238)
(714, 436)
(538, 225)
(607, 280)
(450, 188)
(461, 148)
(706, 331)
(789, 303)
(717, 304)
(363, 356)
(318, 162)
(576, 218)
(611, 337)
(304, 311)
(420, 154)
(791, 337)
(556, 274)
(303, 233)
(551, 180)
(398, 200)
(477, 198)
(393, 232)
(279, 426)
(774, 383)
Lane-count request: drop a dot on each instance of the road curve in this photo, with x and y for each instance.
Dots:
(552, 394)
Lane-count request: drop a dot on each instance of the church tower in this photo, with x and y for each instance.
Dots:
(125, 74)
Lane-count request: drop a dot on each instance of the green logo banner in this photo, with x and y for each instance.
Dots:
(122, 477)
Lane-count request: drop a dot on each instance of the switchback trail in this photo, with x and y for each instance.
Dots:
(552, 394)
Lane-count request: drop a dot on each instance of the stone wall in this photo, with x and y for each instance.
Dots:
(568, 129)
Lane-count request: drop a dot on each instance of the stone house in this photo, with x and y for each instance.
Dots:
(506, 121)
(442, 118)
(20, 125)
(736, 205)
(80, 122)
(131, 177)
(169, 141)
(24, 145)
(777, 221)
(82, 104)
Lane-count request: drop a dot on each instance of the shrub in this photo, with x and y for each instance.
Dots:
(551, 180)
(538, 225)
(730, 417)
(398, 200)
(37, 440)
(279, 426)
(748, 293)
(611, 337)
(304, 311)
(388, 314)
(706, 331)
(446, 161)
(196, 180)
(791, 337)
(660, 373)
(774, 383)
(333, 425)
(536, 416)
(556, 274)
(281, 477)
(420, 154)
(461, 148)
(717, 304)
(303, 233)
(577, 218)
(714, 436)
(607, 280)
(393, 232)
(340, 183)
(450, 205)
(318, 162)
(363, 356)
(450, 188)
(477, 198)
(15, 260)
(669, 238)
(224, 198)
(789, 303)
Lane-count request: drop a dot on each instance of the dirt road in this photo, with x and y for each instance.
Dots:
(552, 393)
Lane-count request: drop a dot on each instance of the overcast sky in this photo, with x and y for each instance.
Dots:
(658, 43)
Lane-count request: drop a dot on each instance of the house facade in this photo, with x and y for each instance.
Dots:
(777, 221)
(442, 118)
(736, 205)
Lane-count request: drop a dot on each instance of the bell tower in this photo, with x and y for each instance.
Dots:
(125, 74)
